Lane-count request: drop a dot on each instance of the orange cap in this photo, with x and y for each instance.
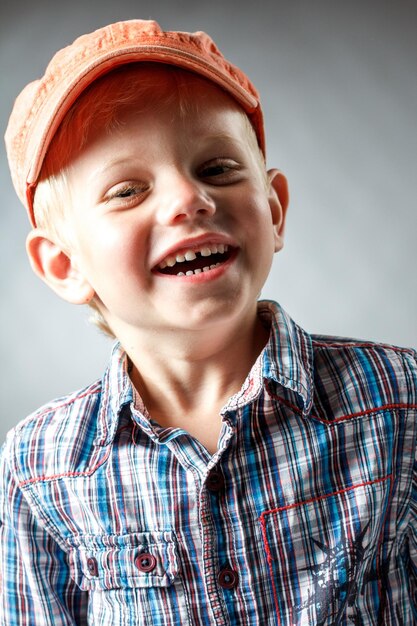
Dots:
(42, 105)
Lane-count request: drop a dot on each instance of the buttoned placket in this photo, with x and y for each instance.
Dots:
(220, 577)
(209, 480)
(213, 510)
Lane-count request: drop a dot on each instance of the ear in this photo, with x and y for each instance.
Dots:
(56, 268)
(278, 202)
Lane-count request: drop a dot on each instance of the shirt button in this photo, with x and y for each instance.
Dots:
(228, 578)
(92, 566)
(215, 481)
(146, 562)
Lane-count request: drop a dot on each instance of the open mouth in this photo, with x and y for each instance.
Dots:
(190, 262)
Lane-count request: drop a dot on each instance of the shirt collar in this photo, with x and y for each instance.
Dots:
(287, 359)
(288, 356)
(116, 394)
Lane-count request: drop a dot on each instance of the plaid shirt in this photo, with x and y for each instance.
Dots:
(306, 514)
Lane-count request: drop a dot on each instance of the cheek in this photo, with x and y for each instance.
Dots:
(261, 222)
(111, 250)
(263, 239)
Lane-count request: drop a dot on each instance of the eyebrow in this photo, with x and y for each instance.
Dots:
(107, 165)
(226, 136)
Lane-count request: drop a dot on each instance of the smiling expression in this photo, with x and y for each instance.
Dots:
(174, 223)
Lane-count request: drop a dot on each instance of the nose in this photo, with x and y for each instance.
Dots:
(184, 199)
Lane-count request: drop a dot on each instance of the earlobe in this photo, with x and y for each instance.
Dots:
(278, 202)
(56, 268)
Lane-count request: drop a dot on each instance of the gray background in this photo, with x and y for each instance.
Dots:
(339, 89)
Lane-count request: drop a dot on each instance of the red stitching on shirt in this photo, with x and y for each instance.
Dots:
(327, 495)
(262, 520)
(70, 401)
(353, 344)
(377, 409)
(67, 474)
(271, 571)
(49, 409)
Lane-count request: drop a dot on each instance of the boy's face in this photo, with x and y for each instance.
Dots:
(163, 186)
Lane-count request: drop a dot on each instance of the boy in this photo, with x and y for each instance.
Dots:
(229, 468)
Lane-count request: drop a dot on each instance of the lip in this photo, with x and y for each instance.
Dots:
(193, 243)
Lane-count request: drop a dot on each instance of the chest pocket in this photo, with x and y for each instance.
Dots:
(322, 555)
(132, 579)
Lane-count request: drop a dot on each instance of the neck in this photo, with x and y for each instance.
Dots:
(191, 373)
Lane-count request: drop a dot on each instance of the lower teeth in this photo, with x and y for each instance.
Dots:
(198, 270)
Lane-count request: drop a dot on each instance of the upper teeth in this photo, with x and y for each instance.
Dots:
(190, 255)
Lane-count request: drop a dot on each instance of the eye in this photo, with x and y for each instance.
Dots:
(126, 192)
(220, 170)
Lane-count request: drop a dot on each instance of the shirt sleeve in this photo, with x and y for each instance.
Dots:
(413, 540)
(35, 585)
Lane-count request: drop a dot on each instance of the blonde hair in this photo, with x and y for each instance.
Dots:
(103, 104)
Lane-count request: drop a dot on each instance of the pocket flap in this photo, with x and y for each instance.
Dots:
(145, 559)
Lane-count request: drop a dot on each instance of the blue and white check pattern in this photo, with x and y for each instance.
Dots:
(306, 514)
